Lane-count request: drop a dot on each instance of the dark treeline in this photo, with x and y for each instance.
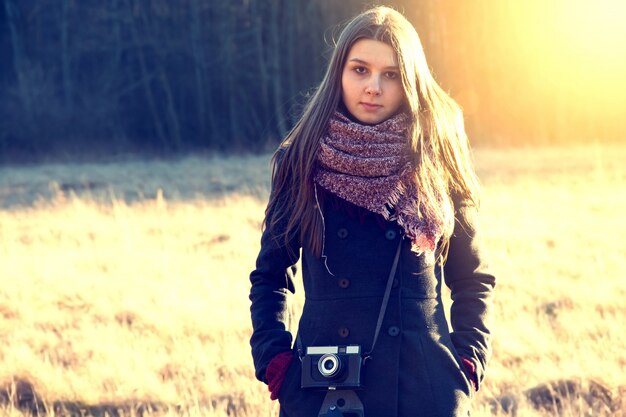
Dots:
(157, 75)
(96, 77)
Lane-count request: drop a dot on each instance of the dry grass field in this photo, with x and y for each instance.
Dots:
(124, 285)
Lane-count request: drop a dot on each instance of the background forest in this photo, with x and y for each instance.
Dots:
(105, 77)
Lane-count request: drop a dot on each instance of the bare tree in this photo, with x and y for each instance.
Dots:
(66, 54)
(20, 61)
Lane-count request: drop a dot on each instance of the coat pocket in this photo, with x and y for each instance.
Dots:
(295, 401)
(462, 370)
(292, 380)
(451, 386)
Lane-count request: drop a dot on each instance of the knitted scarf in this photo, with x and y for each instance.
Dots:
(370, 166)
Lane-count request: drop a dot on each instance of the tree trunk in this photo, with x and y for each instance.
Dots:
(292, 42)
(145, 76)
(232, 82)
(279, 112)
(65, 55)
(199, 61)
(264, 78)
(20, 61)
(172, 114)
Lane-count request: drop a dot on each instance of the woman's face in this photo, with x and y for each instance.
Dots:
(371, 88)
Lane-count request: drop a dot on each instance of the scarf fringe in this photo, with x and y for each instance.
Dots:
(388, 211)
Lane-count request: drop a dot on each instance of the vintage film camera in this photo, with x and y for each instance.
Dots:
(332, 367)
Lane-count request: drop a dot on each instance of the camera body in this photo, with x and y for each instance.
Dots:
(332, 367)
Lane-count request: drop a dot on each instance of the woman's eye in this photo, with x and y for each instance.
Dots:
(360, 70)
(391, 75)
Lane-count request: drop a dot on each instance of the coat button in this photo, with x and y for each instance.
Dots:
(393, 331)
(342, 233)
(390, 234)
(344, 282)
(395, 283)
(344, 332)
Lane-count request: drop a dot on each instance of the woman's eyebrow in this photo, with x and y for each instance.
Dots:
(362, 62)
(359, 61)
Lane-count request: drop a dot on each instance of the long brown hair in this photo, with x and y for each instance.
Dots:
(437, 135)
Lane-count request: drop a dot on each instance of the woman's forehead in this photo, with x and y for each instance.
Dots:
(372, 52)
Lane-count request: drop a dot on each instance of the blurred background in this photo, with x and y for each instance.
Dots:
(95, 77)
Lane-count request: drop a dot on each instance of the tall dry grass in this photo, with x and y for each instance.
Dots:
(140, 305)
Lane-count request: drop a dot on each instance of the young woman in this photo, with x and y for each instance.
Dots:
(375, 186)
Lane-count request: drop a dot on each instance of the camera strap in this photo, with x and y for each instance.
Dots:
(381, 314)
(383, 307)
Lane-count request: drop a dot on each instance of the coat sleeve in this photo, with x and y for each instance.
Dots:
(272, 280)
(471, 289)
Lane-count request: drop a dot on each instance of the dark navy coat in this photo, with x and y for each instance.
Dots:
(415, 368)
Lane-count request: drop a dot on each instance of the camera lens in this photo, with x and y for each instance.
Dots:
(329, 365)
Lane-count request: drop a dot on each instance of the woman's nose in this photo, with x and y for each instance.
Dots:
(373, 87)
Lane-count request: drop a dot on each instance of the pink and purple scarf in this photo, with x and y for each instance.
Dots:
(370, 166)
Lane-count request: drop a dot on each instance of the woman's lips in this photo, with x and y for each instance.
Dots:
(370, 106)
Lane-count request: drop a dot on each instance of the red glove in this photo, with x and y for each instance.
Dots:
(470, 370)
(275, 372)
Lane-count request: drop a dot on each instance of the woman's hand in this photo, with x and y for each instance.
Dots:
(276, 371)
(470, 370)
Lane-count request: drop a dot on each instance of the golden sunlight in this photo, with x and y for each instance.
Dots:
(590, 51)
(544, 71)
(595, 30)
(590, 45)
